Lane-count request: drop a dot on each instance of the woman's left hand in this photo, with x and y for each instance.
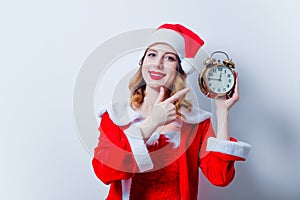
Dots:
(224, 103)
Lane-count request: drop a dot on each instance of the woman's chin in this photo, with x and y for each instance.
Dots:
(155, 85)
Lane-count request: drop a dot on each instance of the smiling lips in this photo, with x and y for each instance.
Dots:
(156, 75)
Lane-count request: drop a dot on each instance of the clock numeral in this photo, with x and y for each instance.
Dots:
(228, 75)
(210, 74)
(228, 85)
(224, 89)
(214, 70)
(225, 71)
(220, 68)
(229, 80)
(219, 90)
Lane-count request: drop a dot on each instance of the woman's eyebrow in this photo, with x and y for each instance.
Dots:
(152, 50)
(166, 52)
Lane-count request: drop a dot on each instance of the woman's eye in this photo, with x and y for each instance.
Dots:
(151, 54)
(170, 58)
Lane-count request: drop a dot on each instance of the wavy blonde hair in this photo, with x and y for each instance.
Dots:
(137, 86)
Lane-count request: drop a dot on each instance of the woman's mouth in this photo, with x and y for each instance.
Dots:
(156, 75)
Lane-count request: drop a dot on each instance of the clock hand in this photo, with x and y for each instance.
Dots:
(216, 79)
(220, 77)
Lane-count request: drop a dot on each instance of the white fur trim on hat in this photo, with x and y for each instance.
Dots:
(169, 37)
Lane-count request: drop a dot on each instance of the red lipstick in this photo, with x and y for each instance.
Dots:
(156, 75)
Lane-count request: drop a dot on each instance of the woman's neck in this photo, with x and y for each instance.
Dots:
(149, 100)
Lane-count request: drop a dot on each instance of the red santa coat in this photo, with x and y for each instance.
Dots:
(119, 155)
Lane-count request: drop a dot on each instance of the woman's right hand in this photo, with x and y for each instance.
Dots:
(163, 112)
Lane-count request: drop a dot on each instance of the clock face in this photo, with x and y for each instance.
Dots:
(220, 79)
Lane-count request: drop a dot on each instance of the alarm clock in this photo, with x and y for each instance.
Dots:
(217, 79)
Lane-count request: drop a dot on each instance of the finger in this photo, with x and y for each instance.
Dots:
(235, 90)
(235, 96)
(161, 95)
(236, 87)
(171, 108)
(177, 95)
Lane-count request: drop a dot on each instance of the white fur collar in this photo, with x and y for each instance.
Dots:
(172, 137)
(122, 114)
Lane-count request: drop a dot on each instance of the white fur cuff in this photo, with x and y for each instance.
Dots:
(240, 149)
(138, 147)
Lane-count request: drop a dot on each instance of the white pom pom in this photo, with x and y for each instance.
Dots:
(187, 66)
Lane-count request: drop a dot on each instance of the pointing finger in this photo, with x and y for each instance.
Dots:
(160, 95)
(177, 95)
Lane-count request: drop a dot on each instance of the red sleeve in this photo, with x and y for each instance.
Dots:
(217, 167)
(113, 159)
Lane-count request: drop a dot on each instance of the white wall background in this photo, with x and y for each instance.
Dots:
(44, 43)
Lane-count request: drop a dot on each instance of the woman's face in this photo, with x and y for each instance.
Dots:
(159, 66)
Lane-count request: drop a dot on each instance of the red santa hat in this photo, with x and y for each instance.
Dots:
(183, 40)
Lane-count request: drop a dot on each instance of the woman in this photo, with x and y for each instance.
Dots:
(153, 150)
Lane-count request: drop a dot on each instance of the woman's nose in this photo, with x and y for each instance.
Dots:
(159, 62)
